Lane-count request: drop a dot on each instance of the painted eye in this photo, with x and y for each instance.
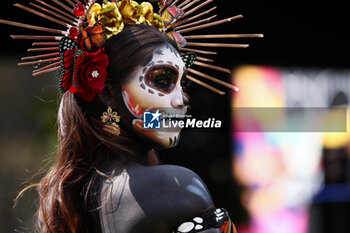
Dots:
(162, 77)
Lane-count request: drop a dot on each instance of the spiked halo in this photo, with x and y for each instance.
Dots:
(188, 18)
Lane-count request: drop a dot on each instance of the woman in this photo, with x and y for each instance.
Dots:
(118, 62)
(107, 177)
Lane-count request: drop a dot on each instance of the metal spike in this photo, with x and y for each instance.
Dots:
(197, 16)
(33, 27)
(211, 24)
(40, 56)
(42, 15)
(224, 36)
(46, 44)
(70, 10)
(196, 23)
(43, 49)
(217, 45)
(203, 84)
(57, 10)
(39, 61)
(189, 5)
(197, 8)
(47, 67)
(213, 79)
(71, 3)
(199, 51)
(26, 37)
(54, 13)
(46, 71)
(218, 68)
(184, 3)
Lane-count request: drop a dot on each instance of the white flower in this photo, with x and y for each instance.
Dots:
(95, 74)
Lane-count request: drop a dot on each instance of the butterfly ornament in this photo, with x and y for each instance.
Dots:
(71, 58)
(94, 36)
(84, 62)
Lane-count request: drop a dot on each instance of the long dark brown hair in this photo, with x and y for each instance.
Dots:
(84, 148)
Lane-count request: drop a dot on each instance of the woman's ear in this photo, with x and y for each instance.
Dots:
(111, 95)
(107, 96)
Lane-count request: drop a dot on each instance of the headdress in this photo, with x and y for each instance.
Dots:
(78, 50)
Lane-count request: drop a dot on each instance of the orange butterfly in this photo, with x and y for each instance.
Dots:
(94, 35)
(163, 4)
(180, 40)
(171, 14)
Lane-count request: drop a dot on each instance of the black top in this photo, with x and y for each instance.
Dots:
(151, 199)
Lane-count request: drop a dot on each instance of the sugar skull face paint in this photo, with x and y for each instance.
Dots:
(163, 78)
(157, 86)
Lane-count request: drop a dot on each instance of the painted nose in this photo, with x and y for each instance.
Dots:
(179, 101)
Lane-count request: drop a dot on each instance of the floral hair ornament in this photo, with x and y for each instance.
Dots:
(78, 50)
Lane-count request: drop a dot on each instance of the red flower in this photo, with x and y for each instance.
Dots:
(91, 75)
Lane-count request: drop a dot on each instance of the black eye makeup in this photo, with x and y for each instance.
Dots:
(185, 83)
(162, 77)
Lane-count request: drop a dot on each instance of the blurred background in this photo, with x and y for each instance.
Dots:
(269, 182)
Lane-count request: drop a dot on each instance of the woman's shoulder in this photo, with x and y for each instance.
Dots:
(159, 197)
(169, 181)
(164, 174)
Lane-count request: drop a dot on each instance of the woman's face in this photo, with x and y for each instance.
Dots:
(157, 86)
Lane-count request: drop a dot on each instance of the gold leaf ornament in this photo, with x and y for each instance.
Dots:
(131, 11)
(111, 118)
(110, 12)
(147, 12)
(123, 12)
(158, 22)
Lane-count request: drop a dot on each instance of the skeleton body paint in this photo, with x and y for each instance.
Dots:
(157, 86)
